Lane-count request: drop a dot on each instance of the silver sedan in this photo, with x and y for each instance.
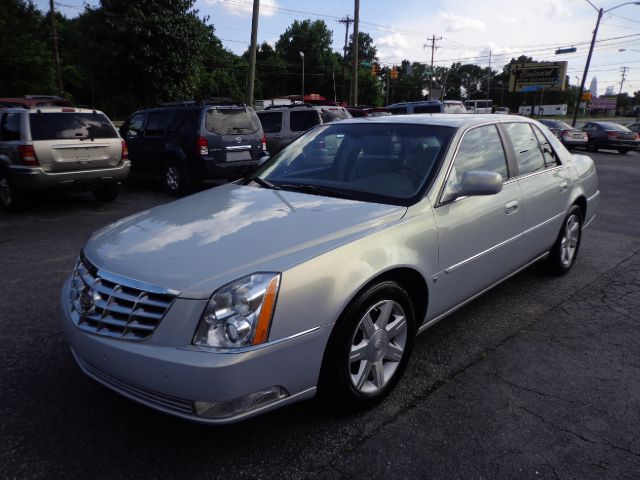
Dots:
(315, 274)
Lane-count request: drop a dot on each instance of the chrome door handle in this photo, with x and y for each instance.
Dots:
(563, 187)
(511, 207)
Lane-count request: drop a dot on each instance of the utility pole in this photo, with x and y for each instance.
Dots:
(252, 52)
(356, 47)
(388, 75)
(56, 53)
(624, 74)
(489, 77)
(586, 68)
(347, 23)
(433, 41)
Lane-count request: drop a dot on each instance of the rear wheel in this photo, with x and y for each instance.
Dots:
(623, 151)
(106, 193)
(176, 180)
(565, 250)
(369, 348)
(591, 145)
(12, 199)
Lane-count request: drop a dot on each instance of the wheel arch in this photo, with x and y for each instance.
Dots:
(581, 202)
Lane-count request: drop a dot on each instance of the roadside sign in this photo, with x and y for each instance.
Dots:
(586, 96)
(560, 51)
(541, 75)
(603, 103)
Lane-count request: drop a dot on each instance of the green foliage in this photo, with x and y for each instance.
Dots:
(25, 50)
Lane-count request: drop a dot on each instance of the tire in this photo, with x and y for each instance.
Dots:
(591, 145)
(12, 199)
(175, 178)
(367, 352)
(106, 193)
(623, 151)
(565, 251)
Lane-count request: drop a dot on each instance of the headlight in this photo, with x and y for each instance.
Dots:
(239, 314)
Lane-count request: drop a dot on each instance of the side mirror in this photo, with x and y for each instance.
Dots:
(475, 183)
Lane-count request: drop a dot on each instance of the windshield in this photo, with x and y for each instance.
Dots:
(63, 125)
(383, 163)
(232, 121)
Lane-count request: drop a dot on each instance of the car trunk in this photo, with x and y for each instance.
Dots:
(65, 141)
(616, 134)
(233, 135)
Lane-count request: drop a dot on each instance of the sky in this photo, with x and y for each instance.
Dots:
(468, 30)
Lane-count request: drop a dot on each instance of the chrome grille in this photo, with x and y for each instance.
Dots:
(107, 305)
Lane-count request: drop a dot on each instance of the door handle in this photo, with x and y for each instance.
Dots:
(511, 207)
(563, 187)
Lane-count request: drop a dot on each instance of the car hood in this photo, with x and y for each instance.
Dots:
(199, 243)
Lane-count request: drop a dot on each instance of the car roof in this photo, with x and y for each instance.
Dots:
(36, 110)
(441, 119)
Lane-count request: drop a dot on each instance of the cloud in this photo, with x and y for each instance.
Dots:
(506, 19)
(556, 9)
(245, 8)
(393, 46)
(457, 23)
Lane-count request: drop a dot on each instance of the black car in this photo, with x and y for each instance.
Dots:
(610, 135)
(188, 142)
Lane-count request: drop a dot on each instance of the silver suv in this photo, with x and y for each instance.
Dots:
(284, 123)
(58, 147)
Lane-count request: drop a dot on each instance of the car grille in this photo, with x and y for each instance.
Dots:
(144, 395)
(104, 304)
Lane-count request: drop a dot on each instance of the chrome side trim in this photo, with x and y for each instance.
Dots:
(249, 348)
(470, 299)
(501, 244)
(540, 172)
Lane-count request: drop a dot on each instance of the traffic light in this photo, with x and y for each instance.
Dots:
(394, 73)
(375, 70)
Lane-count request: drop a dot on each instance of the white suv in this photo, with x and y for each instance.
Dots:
(58, 147)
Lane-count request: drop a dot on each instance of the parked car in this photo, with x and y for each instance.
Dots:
(56, 148)
(428, 106)
(316, 273)
(332, 113)
(283, 124)
(569, 136)
(32, 101)
(502, 110)
(364, 111)
(610, 135)
(186, 143)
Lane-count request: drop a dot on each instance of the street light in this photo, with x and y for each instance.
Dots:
(302, 56)
(593, 41)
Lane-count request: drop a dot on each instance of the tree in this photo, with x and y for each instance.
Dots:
(314, 39)
(367, 51)
(271, 71)
(25, 52)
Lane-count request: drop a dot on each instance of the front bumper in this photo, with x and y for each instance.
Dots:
(171, 378)
(35, 178)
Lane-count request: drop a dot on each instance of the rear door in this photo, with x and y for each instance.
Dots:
(234, 135)
(152, 147)
(65, 141)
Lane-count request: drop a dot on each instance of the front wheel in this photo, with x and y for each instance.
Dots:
(623, 151)
(369, 348)
(565, 250)
(591, 145)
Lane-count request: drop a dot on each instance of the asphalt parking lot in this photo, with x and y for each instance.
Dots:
(539, 378)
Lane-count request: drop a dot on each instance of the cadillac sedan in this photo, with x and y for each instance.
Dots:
(315, 274)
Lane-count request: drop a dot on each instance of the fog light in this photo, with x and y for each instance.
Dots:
(240, 405)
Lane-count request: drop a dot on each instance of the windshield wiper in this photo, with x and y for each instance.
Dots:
(314, 189)
(264, 183)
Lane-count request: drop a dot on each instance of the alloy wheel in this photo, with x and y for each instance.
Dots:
(172, 177)
(377, 347)
(570, 239)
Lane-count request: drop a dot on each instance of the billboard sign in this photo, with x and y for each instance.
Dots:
(603, 103)
(527, 77)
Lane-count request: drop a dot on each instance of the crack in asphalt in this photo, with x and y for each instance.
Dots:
(483, 355)
(604, 443)
(526, 389)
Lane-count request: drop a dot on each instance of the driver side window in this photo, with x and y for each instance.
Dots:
(480, 150)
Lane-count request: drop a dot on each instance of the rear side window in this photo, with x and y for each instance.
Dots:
(10, 127)
(550, 157)
(271, 121)
(232, 121)
(454, 108)
(156, 123)
(60, 126)
(184, 121)
(427, 109)
(303, 120)
(525, 144)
